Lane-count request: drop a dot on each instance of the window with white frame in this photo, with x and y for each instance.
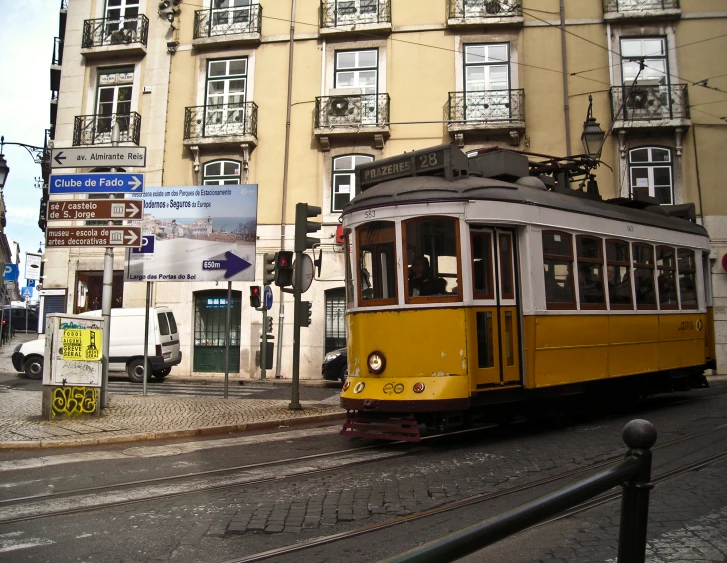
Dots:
(344, 179)
(121, 15)
(221, 172)
(231, 16)
(487, 81)
(650, 171)
(225, 96)
(358, 72)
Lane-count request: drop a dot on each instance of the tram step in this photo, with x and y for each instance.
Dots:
(381, 427)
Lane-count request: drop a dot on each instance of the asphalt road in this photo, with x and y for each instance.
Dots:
(290, 487)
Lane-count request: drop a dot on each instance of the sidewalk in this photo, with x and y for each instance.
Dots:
(129, 418)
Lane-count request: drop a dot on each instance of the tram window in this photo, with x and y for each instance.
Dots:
(482, 265)
(432, 258)
(377, 263)
(644, 276)
(558, 270)
(618, 274)
(506, 277)
(666, 277)
(687, 275)
(349, 261)
(590, 272)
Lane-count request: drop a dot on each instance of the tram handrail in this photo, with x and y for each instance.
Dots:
(634, 474)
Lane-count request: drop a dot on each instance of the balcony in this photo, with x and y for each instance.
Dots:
(96, 129)
(227, 26)
(650, 107)
(345, 16)
(492, 113)
(56, 63)
(53, 111)
(352, 115)
(220, 125)
(105, 37)
(484, 12)
(630, 10)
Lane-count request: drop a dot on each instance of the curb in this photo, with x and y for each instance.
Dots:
(169, 434)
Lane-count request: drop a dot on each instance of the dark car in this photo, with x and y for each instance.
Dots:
(335, 365)
(19, 319)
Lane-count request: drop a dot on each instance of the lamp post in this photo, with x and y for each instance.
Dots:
(592, 138)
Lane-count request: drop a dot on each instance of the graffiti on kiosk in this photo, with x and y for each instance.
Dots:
(81, 345)
(74, 401)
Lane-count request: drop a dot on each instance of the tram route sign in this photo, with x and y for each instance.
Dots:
(92, 157)
(102, 236)
(94, 210)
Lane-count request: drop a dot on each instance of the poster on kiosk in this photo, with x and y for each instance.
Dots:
(73, 344)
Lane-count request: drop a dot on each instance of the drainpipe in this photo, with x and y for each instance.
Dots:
(566, 107)
(281, 311)
(699, 185)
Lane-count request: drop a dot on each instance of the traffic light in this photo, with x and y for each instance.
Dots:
(254, 296)
(284, 268)
(269, 327)
(269, 268)
(303, 226)
(305, 313)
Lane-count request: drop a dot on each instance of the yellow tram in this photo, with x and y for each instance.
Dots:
(475, 289)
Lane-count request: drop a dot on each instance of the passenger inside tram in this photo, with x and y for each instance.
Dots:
(421, 280)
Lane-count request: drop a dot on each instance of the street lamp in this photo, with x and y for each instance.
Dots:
(593, 135)
(4, 170)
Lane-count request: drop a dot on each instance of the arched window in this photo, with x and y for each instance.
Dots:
(221, 172)
(650, 171)
(344, 179)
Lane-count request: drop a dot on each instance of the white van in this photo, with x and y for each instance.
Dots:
(126, 346)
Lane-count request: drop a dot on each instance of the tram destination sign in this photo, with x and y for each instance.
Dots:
(94, 209)
(93, 236)
(445, 160)
(91, 157)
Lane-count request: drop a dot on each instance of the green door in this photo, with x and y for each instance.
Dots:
(210, 310)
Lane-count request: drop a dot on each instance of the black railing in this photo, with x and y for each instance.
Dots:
(117, 31)
(464, 9)
(649, 103)
(340, 13)
(634, 474)
(635, 6)
(491, 106)
(225, 120)
(358, 110)
(64, 4)
(227, 21)
(96, 129)
(57, 52)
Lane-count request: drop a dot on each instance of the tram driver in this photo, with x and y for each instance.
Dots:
(421, 280)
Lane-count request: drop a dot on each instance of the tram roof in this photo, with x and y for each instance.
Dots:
(426, 189)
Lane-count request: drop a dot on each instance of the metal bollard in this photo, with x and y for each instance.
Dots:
(639, 435)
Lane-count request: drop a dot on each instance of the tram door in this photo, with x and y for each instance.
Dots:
(493, 338)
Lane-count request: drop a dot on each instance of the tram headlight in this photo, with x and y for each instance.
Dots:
(376, 362)
(418, 387)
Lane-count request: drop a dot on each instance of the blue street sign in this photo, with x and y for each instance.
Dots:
(31, 283)
(97, 183)
(11, 272)
(268, 297)
(147, 245)
(26, 292)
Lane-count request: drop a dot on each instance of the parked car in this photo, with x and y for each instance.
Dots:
(335, 365)
(126, 346)
(19, 318)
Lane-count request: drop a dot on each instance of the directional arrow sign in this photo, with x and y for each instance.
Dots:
(93, 236)
(233, 264)
(97, 183)
(91, 157)
(95, 209)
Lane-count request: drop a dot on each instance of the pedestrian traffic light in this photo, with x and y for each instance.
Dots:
(284, 268)
(303, 226)
(305, 313)
(269, 327)
(269, 268)
(254, 296)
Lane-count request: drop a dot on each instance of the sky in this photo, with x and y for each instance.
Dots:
(26, 51)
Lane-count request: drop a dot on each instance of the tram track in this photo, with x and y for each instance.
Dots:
(88, 499)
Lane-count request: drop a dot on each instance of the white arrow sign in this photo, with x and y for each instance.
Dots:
(135, 210)
(131, 238)
(135, 183)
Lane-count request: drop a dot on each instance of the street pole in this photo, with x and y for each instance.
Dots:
(146, 335)
(264, 355)
(298, 277)
(227, 336)
(107, 293)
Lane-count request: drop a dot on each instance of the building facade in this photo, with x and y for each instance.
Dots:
(218, 93)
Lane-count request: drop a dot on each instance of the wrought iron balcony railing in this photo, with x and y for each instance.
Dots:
(96, 129)
(64, 4)
(57, 52)
(227, 21)
(118, 31)
(464, 9)
(224, 120)
(650, 103)
(359, 110)
(340, 13)
(637, 6)
(492, 106)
